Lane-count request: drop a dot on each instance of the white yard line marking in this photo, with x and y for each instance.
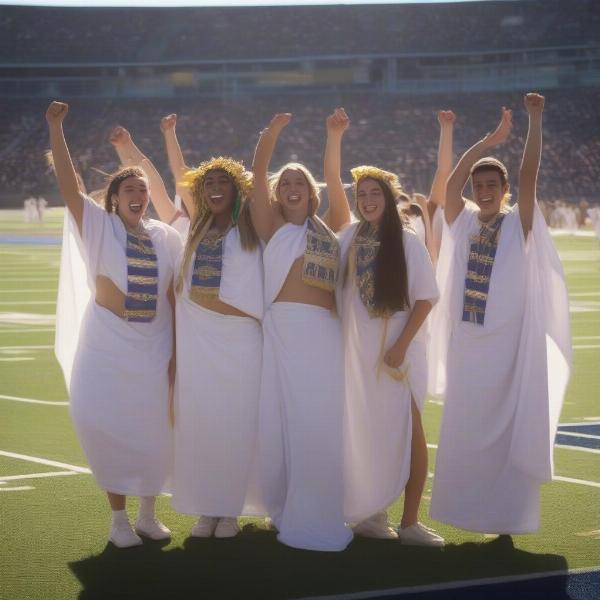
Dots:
(582, 435)
(583, 294)
(19, 318)
(21, 488)
(43, 461)
(29, 291)
(586, 337)
(434, 446)
(577, 449)
(27, 302)
(585, 346)
(453, 585)
(33, 401)
(16, 359)
(19, 331)
(37, 475)
(10, 348)
(19, 279)
(586, 422)
(578, 481)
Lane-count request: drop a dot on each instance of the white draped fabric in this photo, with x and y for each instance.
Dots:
(378, 424)
(503, 382)
(116, 371)
(217, 390)
(301, 410)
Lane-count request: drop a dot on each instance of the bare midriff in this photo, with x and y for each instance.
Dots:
(295, 290)
(218, 306)
(109, 296)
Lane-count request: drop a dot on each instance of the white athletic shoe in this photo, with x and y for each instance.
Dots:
(376, 526)
(123, 536)
(420, 535)
(205, 527)
(152, 528)
(227, 527)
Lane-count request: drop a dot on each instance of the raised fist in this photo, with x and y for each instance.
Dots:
(446, 117)
(338, 122)
(119, 136)
(56, 112)
(534, 103)
(168, 122)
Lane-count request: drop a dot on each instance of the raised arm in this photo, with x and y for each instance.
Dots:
(429, 241)
(131, 156)
(454, 199)
(437, 195)
(339, 208)
(176, 161)
(63, 166)
(158, 193)
(534, 103)
(261, 210)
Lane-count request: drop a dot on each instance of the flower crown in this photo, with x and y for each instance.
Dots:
(390, 179)
(194, 178)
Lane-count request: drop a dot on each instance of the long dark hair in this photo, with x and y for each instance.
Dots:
(391, 275)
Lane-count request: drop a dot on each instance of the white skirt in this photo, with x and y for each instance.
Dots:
(301, 420)
(216, 412)
(119, 404)
(476, 485)
(378, 418)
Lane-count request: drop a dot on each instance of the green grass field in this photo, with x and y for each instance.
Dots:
(54, 520)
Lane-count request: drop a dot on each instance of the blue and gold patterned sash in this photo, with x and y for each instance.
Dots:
(321, 257)
(142, 278)
(479, 269)
(208, 267)
(361, 263)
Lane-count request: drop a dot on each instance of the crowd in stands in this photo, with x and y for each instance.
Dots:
(49, 35)
(394, 132)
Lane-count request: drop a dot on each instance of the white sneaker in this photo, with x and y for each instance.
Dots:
(123, 536)
(376, 526)
(420, 535)
(205, 527)
(152, 528)
(227, 527)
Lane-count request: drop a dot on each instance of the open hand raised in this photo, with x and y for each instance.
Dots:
(503, 130)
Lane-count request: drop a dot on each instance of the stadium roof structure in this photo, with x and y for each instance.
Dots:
(58, 36)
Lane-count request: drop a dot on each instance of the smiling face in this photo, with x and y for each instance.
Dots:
(488, 192)
(131, 200)
(293, 191)
(370, 199)
(219, 191)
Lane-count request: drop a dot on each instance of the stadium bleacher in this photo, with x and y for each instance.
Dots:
(398, 132)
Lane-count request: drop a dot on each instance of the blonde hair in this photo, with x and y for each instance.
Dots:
(313, 188)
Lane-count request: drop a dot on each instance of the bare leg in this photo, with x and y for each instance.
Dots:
(116, 501)
(418, 470)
